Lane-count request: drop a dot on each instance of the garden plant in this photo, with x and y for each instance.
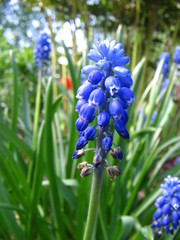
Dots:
(89, 140)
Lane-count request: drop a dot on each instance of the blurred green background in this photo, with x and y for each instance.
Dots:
(42, 195)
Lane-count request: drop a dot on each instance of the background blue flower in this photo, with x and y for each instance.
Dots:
(167, 215)
(42, 50)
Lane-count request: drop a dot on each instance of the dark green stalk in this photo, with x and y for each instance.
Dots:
(37, 109)
(36, 185)
(15, 98)
(49, 158)
(36, 122)
(94, 201)
(15, 95)
(95, 193)
(96, 184)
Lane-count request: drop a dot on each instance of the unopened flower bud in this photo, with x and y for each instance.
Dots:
(78, 153)
(106, 143)
(110, 172)
(117, 171)
(86, 171)
(117, 153)
(82, 165)
(113, 171)
(82, 142)
(97, 160)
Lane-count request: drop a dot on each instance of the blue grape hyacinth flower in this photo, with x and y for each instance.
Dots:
(103, 100)
(167, 215)
(166, 65)
(176, 56)
(42, 50)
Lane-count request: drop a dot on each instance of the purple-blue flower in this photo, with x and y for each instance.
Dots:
(77, 154)
(103, 119)
(42, 50)
(176, 56)
(97, 160)
(96, 98)
(82, 142)
(167, 215)
(126, 96)
(95, 77)
(79, 104)
(112, 85)
(87, 112)
(84, 91)
(125, 117)
(116, 109)
(117, 153)
(89, 133)
(81, 124)
(107, 143)
(165, 68)
(121, 128)
(103, 100)
(154, 115)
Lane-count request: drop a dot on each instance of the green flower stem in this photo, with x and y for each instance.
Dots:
(95, 191)
(37, 109)
(94, 201)
(36, 123)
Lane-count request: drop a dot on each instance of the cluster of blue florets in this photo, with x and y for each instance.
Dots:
(167, 215)
(176, 56)
(105, 94)
(42, 50)
(165, 69)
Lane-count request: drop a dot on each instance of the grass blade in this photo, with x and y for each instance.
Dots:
(15, 95)
(49, 158)
(12, 138)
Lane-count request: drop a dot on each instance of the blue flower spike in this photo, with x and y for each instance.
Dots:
(42, 50)
(166, 65)
(103, 100)
(176, 56)
(167, 215)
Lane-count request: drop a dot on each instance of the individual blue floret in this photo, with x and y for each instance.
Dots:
(89, 133)
(103, 119)
(106, 144)
(116, 109)
(167, 215)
